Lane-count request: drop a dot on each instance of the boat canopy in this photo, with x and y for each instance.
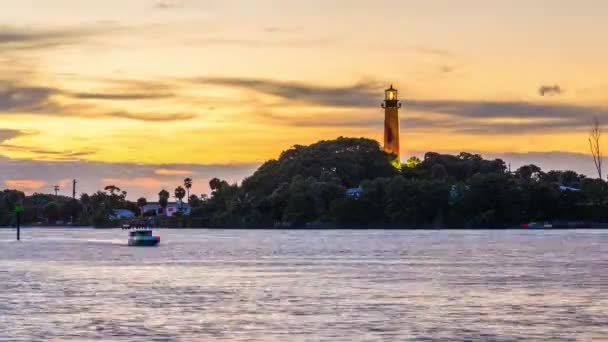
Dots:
(141, 233)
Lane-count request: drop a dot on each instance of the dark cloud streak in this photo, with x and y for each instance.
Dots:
(550, 90)
(358, 95)
(28, 39)
(15, 98)
(460, 115)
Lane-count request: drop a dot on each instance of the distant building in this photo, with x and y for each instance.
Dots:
(172, 208)
(121, 214)
(354, 192)
(567, 188)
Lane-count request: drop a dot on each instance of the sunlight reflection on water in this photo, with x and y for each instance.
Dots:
(84, 284)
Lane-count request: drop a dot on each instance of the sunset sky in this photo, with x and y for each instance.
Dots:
(143, 93)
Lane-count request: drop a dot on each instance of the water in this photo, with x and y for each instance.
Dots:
(212, 285)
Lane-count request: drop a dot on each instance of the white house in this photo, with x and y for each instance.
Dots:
(172, 208)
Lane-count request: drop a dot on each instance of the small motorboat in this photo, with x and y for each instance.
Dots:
(143, 238)
(126, 226)
(537, 225)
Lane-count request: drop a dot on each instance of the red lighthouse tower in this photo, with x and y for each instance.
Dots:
(391, 107)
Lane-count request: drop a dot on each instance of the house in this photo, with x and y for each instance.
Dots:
(354, 192)
(568, 188)
(121, 214)
(155, 209)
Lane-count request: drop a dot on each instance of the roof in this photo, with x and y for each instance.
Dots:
(123, 211)
(169, 203)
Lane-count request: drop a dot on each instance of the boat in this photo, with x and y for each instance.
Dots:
(143, 238)
(537, 225)
(126, 226)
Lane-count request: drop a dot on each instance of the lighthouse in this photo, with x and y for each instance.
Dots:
(391, 107)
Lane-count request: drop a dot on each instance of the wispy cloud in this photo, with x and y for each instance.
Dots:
(48, 154)
(24, 184)
(121, 96)
(429, 50)
(168, 4)
(20, 97)
(549, 90)
(136, 179)
(22, 38)
(172, 172)
(357, 95)
(8, 134)
(17, 98)
(464, 116)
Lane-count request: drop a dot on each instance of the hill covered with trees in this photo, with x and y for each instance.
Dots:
(350, 182)
(308, 184)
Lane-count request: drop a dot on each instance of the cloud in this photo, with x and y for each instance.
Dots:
(46, 154)
(8, 134)
(172, 172)
(168, 4)
(507, 109)
(137, 179)
(554, 160)
(32, 38)
(24, 184)
(362, 94)
(18, 98)
(150, 117)
(121, 96)
(550, 90)
(464, 116)
(429, 50)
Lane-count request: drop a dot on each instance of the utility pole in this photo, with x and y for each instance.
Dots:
(18, 210)
(56, 188)
(74, 188)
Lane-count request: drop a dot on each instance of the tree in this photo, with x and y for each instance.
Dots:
(51, 212)
(595, 136)
(215, 184)
(529, 172)
(141, 203)
(352, 160)
(112, 189)
(412, 162)
(438, 172)
(70, 210)
(180, 193)
(188, 185)
(194, 201)
(85, 200)
(163, 199)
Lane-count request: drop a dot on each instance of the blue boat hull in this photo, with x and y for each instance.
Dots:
(143, 243)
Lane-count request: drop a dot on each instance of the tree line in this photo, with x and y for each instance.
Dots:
(350, 182)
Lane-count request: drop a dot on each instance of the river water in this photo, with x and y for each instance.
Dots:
(308, 285)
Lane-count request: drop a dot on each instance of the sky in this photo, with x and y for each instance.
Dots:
(143, 93)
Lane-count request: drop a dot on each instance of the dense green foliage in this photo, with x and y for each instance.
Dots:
(307, 186)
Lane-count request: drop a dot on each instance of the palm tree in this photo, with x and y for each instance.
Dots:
(141, 203)
(112, 189)
(188, 185)
(163, 199)
(179, 194)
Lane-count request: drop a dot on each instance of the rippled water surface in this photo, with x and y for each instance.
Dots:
(207, 285)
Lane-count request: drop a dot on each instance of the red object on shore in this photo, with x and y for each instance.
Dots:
(525, 225)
